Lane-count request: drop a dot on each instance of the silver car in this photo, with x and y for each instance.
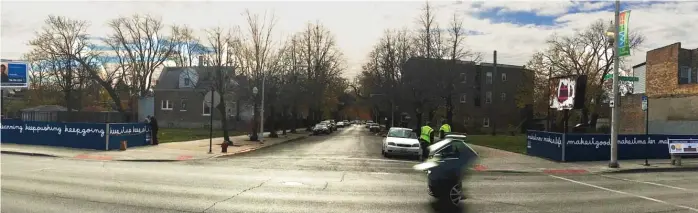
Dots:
(401, 141)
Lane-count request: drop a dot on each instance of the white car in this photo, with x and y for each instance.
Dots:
(401, 141)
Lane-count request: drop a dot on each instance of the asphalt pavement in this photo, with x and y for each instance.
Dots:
(341, 172)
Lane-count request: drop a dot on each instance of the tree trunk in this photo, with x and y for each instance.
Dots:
(255, 118)
(294, 119)
(272, 121)
(237, 111)
(224, 119)
(449, 110)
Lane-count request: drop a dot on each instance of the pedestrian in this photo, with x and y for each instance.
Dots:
(445, 129)
(154, 129)
(5, 77)
(426, 136)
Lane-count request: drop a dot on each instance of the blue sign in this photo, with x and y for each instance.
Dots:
(99, 136)
(14, 74)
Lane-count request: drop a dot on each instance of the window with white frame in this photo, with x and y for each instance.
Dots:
(187, 81)
(489, 78)
(486, 122)
(183, 104)
(504, 96)
(463, 98)
(685, 75)
(207, 109)
(504, 77)
(166, 105)
(488, 97)
(463, 78)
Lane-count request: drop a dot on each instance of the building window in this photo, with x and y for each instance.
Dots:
(476, 100)
(489, 78)
(183, 104)
(207, 109)
(463, 97)
(504, 96)
(685, 75)
(187, 81)
(463, 78)
(486, 122)
(504, 77)
(488, 97)
(166, 105)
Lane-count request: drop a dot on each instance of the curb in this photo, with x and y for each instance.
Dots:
(258, 148)
(149, 160)
(650, 170)
(28, 154)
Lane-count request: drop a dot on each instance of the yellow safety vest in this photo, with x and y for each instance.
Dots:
(425, 133)
(446, 128)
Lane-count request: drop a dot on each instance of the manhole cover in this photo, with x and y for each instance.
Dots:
(292, 183)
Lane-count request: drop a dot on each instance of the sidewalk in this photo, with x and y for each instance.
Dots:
(495, 160)
(174, 151)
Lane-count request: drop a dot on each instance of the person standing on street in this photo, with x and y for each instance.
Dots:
(445, 129)
(154, 129)
(426, 136)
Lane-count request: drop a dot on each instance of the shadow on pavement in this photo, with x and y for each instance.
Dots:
(441, 207)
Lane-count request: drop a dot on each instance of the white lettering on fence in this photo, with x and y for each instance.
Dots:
(598, 143)
(20, 128)
(552, 140)
(83, 132)
(126, 131)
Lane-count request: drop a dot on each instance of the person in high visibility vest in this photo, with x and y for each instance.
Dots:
(445, 128)
(426, 136)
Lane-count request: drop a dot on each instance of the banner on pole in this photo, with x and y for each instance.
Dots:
(623, 36)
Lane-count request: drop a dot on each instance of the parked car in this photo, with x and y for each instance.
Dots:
(401, 141)
(368, 124)
(446, 167)
(321, 128)
(341, 124)
(374, 127)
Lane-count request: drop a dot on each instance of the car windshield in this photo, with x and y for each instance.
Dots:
(401, 133)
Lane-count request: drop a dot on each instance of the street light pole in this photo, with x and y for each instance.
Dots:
(614, 110)
(261, 114)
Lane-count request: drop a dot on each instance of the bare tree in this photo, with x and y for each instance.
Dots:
(587, 52)
(253, 52)
(188, 48)
(144, 47)
(64, 41)
(219, 42)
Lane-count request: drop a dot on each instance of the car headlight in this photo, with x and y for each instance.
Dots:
(391, 144)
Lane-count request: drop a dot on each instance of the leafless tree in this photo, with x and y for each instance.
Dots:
(144, 47)
(587, 52)
(219, 42)
(253, 50)
(64, 41)
(188, 49)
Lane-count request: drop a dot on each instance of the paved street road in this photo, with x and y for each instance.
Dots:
(342, 172)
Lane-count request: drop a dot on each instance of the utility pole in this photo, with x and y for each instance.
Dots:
(614, 110)
(261, 114)
(494, 94)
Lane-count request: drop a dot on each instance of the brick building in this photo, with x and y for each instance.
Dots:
(483, 98)
(671, 86)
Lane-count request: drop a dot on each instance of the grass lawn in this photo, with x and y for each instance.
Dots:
(166, 135)
(504, 142)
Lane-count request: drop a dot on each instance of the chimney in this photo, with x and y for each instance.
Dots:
(201, 60)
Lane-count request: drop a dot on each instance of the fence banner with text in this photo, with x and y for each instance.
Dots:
(596, 147)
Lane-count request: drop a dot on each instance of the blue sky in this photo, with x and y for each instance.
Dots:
(516, 29)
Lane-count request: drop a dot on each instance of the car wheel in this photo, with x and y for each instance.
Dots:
(454, 194)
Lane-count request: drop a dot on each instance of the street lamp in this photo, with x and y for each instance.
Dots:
(612, 35)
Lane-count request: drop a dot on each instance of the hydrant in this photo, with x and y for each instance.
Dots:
(224, 147)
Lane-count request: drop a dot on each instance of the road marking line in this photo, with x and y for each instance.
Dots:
(625, 193)
(650, 183)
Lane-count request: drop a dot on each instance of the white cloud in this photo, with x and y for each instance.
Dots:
(358, 25)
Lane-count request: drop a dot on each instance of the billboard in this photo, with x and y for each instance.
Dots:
(14, 74)
(567, 92)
